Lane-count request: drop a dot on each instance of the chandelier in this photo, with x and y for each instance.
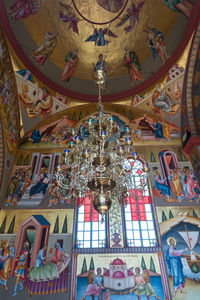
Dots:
(96, 161)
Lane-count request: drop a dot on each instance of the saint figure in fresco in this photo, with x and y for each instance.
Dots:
(46, 48)
(7, 253)
(183, 6)
(131, 61)
(41, 257)
(98, 37)
(94, 289)
(161, 101)
(156, 42)
(101, 65)
(42, 183)
(176, 184)
(160, 184)
(111, 5)
(71, 60)
(143, 285)
(173, 259)
(191, 182)
(132, 15)
(22, 9)
(36, 136)
(21, 267)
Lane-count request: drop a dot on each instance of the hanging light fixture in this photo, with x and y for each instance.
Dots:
(96, 164)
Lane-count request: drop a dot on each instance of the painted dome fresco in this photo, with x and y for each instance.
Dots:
(63, 42)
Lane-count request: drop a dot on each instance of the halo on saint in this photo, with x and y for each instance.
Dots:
(98, 267)
(171, 238)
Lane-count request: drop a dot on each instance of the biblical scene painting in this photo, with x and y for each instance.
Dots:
(180, 228)
(35, 99)
(32, 182)
(119, 276)
(174, 181)
(35, 253)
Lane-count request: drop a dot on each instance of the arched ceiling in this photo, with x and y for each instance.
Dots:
(26, 35)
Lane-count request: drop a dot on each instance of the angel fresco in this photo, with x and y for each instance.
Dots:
(99, 36)
(183, 6)
(156, 42)
(132, 15)
(69, 17)
(111, 5)
(22, 9)
(46, 48)
(131, 61)
(71, 62)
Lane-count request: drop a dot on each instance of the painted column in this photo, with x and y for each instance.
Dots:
(74, 276)
(164, 276)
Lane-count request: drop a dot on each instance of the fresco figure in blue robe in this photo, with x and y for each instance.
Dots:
(36, 136)
(40, 258)
(156, 42)
(42, 183)
(157, 129)
(173, 259)
(99, 36)
(160, 184)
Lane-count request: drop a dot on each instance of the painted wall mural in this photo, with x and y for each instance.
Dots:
(2, 152)
(174, 181)
(180, 227)
(32, 185)
(119, 276)
(38, 259)
(8, 97)
(35, 99)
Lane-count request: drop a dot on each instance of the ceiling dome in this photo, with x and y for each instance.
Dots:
(90, 28)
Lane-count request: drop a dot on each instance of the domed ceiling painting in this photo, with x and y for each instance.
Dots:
(60, 41)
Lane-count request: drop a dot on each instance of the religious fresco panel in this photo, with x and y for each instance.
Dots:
(35, 252)
(174, 180)
(8, 97)
(179, 228)
(35, 99)
(118, 276)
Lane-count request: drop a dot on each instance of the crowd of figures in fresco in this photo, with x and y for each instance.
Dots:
(35, 268)
(181, 181)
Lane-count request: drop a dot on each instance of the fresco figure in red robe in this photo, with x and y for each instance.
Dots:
(71, 60)
(131, 61)
(21, 268)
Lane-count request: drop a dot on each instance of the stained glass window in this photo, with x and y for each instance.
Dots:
(139, 223)
(91, 231)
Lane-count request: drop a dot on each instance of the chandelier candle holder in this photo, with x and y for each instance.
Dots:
(95, 162)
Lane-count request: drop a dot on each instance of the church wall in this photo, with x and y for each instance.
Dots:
(88, 264)
(182, 225)
(61, 224)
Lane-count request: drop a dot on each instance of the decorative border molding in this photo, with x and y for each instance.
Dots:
(2, 152)
(117, 250)
(189, 77)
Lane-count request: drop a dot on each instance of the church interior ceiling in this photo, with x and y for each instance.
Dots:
(51, 246)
